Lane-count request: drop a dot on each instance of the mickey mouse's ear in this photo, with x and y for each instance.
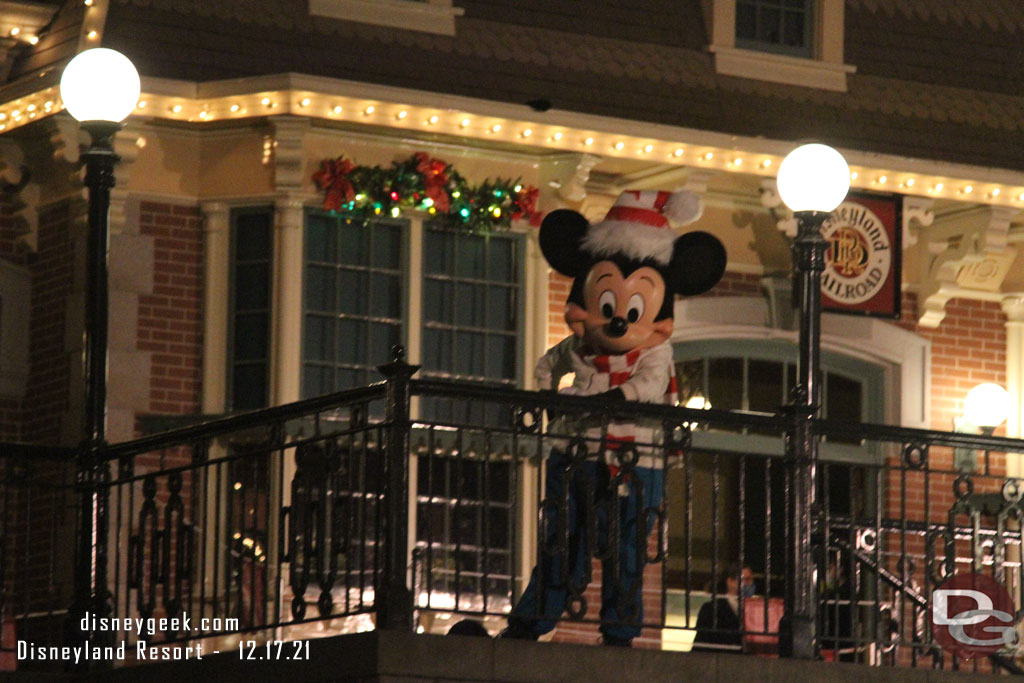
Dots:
(698, 263)
(560, 236)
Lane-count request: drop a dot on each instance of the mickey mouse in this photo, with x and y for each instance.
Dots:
(625, 270)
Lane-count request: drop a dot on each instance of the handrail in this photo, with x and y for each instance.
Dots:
(254, 418)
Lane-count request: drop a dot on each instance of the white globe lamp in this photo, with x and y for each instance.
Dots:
(100, 85)
(813, 177)
(987, 406)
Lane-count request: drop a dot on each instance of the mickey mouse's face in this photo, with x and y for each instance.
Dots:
(619, 312)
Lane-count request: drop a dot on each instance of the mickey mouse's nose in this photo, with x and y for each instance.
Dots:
(617, 327)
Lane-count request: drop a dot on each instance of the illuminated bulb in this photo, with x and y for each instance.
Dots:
(464, 123)
(968, 189)
(938, 187)
(2, 116)
(238, 485)
(456, 194)
(678, 152)
(1020, 197)
(882, 179)
(709, 156)
(204, 114)
(88, 3)
(176, 109)
(30, 107)
(15, 31)
(395, 212)
(16, 113)
(304, 102)
(854, 175)
(556, 137)
(32, 115)
(337, 109)
(237, 535)
(401, 115)
(766, 163)
(588, 142)
(496, 212)
(910, 182)
(737, 162)
(141, 143)
(649, 148)
(496, 128)
(91, 35)
(141, 104)
(33, 40)
(265, 101)
(433, 119)
(995, 192)
(517, 188)
(428, 202)
(619, 145)
(527, 133)
(369, 110)
(234, 108)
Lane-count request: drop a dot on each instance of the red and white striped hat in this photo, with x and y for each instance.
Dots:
(638, 225)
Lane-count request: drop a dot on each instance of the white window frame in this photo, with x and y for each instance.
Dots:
(825, 70)
(434, 16)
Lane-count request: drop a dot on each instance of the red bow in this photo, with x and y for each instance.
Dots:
(333, 179)
(527, 201)
(434, 180)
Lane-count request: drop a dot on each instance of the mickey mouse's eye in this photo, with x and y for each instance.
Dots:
(607, 303)
(636, 308)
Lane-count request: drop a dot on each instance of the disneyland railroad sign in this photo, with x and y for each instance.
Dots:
(862, 263)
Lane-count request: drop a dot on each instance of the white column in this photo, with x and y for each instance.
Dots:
(286, 340)
(1013, 307)
(217, 248)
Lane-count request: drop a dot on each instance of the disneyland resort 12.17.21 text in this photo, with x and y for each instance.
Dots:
(141, 650)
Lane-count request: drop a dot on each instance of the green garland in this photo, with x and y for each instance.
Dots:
(423, 183)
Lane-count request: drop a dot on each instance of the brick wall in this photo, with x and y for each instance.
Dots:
(170, 319)
(46, 399)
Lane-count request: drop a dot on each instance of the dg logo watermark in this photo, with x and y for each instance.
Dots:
(973, 616)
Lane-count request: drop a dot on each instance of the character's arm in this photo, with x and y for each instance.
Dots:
(554, 364)
(651, 379)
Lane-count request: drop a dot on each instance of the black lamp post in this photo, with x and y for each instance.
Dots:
(813, 180)
(99, 88)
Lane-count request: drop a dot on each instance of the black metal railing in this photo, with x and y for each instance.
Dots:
(390, 504)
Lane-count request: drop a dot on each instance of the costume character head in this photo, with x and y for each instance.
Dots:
(627, 269)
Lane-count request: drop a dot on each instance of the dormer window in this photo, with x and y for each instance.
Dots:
(780, 26)
(794, 42)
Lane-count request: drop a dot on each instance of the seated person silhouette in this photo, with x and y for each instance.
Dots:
(719, 623)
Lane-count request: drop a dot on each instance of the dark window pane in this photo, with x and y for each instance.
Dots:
(320, 239)
(251, 337)
(765, 386)
(501, 308)
(844, 398)
(438, 251)
(501, 260)
(793, 29)
(725, 383)
(383, 337)
(249, 386)
(252, 286)
(470, 256)
(469, 305)
(252, 235)
(746, 21)
(387, 295)
(317, 380)
(768, 21)
(352, 291)
(501, 357)
(352, 342)
(437, 350)
(387, 246)
(318, 338)
(353, 242)
(438, 301)
(320, 288)
(690, 376)
(469, 358)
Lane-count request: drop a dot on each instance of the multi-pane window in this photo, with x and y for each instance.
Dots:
(782, 26)
(249, 346)
(353, 301)
(472, 295)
